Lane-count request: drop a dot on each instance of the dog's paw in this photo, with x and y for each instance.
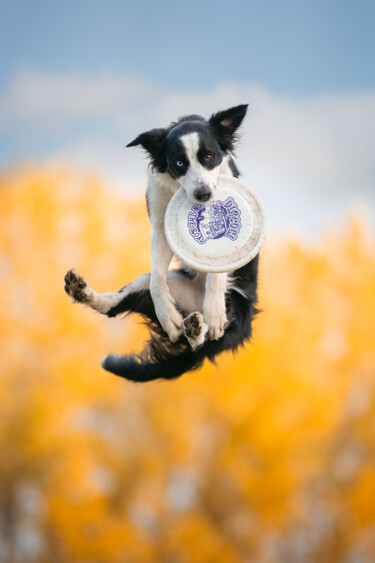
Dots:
(193, 325)
(195, 329)
(170, 319)
(173, 325)
(76, 286)
(216, 320)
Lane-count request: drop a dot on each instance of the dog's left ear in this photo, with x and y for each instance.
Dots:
(225, 124)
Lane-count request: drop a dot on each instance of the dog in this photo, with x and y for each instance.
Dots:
(191, 315)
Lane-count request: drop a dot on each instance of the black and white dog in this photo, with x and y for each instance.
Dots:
(191, 315)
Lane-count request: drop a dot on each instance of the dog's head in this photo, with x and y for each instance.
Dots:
(191, 150)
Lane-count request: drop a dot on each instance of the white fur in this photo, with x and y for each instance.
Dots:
(160, 189)
(224, 167)
(214, 305)
(165, 306)
(197, 341)
(104, 302)
(167, 287)
(196, 175)
(188, 293)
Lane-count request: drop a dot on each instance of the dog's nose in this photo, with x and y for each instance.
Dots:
(203, 193)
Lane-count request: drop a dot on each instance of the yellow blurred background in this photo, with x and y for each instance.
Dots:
(267, 457)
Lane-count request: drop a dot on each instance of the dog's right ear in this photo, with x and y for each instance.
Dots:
(153, 142)
(150, 141)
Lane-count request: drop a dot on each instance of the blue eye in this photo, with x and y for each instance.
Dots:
(179, 163)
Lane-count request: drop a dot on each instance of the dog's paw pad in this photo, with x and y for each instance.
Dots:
(74, 285)
(195, 330)
(193, 325)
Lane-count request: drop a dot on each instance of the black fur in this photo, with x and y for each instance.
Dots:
(225, 125)
(233, 168)
(218, 135)
(176, 150)
(154, 143)
(161, 358)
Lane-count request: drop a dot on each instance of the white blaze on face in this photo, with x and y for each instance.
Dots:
(196, 175)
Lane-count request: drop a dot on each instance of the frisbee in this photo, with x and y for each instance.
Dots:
(221, 235)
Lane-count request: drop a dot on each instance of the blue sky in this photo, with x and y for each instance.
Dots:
(79, 79)
(289, 46)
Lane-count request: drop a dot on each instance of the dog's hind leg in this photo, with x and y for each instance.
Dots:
(136, 298)
(80, 291)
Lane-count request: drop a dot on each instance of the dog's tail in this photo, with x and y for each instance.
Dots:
(134, 368)
(160, 360)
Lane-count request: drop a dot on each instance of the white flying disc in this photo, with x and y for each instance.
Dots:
(218, 236)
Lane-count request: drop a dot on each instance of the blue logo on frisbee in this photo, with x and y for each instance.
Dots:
(215, 220)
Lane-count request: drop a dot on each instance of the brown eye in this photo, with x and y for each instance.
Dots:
(208, 156)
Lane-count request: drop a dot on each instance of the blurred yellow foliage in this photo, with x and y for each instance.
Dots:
(267, 457)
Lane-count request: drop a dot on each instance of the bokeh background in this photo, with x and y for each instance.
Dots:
(269, 456)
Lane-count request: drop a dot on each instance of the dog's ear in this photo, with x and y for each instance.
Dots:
(229, 119)
(152, 141)
(225, 124)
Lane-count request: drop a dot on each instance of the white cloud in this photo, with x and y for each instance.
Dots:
(310, 159)
(35, 97)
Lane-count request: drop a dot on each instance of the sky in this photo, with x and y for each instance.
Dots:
(80, 79)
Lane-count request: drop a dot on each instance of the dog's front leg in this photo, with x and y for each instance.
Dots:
(165, 306)
(214, 305)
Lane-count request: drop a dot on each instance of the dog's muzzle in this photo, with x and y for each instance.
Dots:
(203, 193)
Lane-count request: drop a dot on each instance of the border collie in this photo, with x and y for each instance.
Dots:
(191, 315)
